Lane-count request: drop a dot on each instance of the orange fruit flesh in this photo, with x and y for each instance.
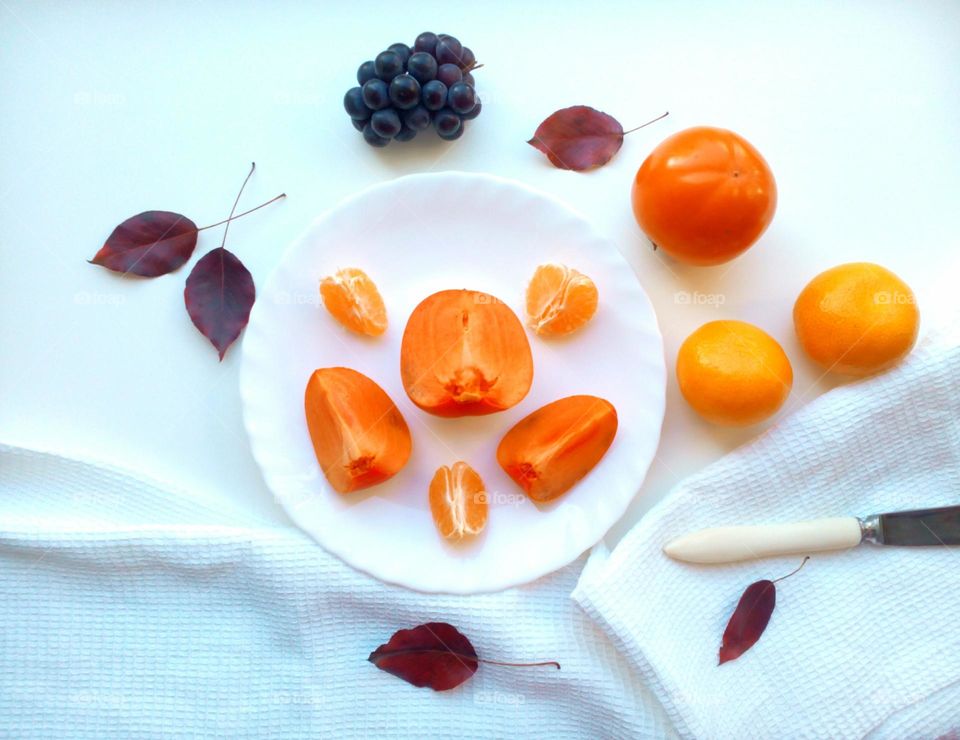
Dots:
(359, 436)
(465, 353)
(549, 451)
(733, 373)
(560, 300)
(458, 501)
(857, 319)
(352, 298)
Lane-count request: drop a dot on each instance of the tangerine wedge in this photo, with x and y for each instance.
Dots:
(352, 298)
(549, 451)
(560, 300)
(359, 435)
(458, 501)
(465, 353)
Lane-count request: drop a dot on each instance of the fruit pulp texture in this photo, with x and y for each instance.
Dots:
(359, 435)
(352, 298)
(465, 353)
(458, 501)
(549, 451)
(560, 300)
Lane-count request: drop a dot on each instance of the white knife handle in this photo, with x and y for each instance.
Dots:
(733, 544)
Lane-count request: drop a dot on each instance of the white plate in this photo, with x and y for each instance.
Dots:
(415, 236)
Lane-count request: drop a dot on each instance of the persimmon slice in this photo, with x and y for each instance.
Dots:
(458, 501)
(549, 451)
(352, 298)
(465, 353)
(359, 435)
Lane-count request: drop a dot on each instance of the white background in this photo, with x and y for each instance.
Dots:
(109, 109)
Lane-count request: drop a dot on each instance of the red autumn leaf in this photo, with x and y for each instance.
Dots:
(219, 295)
(751, 617)
(435, 654)
(149, 244)
(578, 138)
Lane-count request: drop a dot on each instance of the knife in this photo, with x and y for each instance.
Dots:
(920, 527)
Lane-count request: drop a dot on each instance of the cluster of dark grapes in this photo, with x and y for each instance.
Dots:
(406, 90)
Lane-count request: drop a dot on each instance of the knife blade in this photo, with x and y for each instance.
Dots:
(916, 528)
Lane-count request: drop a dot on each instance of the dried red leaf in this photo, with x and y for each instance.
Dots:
(435, 654)
(219, 295)
(751, 617)
(149, 244)
(578, 138)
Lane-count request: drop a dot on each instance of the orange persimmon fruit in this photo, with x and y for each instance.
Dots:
(359, 435)
(549, 451)
(465, 353)
(458, 501)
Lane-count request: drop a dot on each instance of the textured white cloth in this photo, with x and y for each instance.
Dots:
(865, 641)
(131, 611)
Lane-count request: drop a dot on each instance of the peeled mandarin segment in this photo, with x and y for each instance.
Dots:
(857, 319)
(458, 501)
(359, 436)
(352, 299)
(560, 300)
(733, 373)
(465, 353)
(549, 451)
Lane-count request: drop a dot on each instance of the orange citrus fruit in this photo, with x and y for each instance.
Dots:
(353, 300)
(560, 300)
(733, 373)
(458, 501)
(856, 319)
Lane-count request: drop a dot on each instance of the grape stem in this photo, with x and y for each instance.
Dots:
(644, 125)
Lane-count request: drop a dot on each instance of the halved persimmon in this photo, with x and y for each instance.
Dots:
(458, 501)
(465, 353)
(549, 451)
(359, 435)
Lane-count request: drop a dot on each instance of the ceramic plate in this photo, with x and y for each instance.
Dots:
(415, 236)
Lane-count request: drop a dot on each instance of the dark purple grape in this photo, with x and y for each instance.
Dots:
(358, 125)
(445, 121)
(422, 66)
(376, 94)
(434, 95)
(467, 58)
(448, 51)
(416, 118)
(405, 134)
(426, 41)
(402, 49)
(354, 106)
(455, 135)
(372, 137)
(468, 78)
(404, 92)
(386, 123)
(449, 73)
(367, 71)
(461, 97)
(388, 65)
(473, 113)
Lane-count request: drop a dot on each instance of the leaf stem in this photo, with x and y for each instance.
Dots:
(241, 215)
(643, 125)
(519, 665)
(792, 572)
(253, 166)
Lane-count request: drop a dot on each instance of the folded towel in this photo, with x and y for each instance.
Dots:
(130, 610)
(861, 641)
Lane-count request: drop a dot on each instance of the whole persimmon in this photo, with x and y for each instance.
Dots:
(359, 435)
(465, 353)
(704, 195)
